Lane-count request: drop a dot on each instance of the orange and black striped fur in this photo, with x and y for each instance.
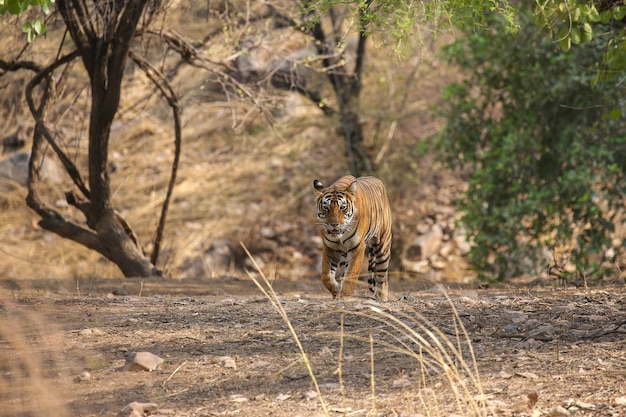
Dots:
(354, 216)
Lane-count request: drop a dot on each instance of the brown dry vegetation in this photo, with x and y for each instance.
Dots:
(245, 176)
(243, 167)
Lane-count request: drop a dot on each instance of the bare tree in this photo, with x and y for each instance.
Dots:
(102, 32)
(330, 52)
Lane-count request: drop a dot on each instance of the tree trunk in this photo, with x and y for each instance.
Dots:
(104, 48)
(118, 247)
(360, 161)
(346, 82)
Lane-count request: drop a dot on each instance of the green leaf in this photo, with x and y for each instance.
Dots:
(575, 35)
(39, 26)
(586, 36)
(593, 15)
(619, 12)
(13, 7)
(606, 17)
(616, 59)
(614, 114)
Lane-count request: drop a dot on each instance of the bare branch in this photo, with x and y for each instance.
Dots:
(65, 160)
(166, 90)
(19, 65)
(50, 219)
(193, 57)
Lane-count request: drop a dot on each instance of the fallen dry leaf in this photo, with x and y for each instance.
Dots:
(533, 397)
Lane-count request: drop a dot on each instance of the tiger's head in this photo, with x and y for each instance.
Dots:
(335, 206)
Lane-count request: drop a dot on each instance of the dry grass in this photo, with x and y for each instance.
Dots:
(444, 362)
(29, 360)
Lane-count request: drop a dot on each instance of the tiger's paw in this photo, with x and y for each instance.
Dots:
(343, 295)
(381, 297)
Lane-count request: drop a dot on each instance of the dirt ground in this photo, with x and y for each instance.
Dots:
(227, 351)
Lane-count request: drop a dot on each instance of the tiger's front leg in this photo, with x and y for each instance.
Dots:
(355, 260)
(331, 259)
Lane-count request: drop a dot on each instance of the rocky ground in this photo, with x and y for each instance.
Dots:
(227, 350)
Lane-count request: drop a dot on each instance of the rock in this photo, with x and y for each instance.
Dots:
(310, 395)
(420, 267)
(15, 168)
(558, 411)
(14, 142)
(402, 382)
(460, 239)
(237, 398)
(425, 246)
(142, 361)
(446, 250)
(85, 376)
(218, 257)
(136, 409)
(438, 263)
(267, 232)
(91, 332)
(227, 362)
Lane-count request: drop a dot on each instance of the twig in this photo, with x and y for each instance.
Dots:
(173, 373)
(606, 333)
(372, 377)
(342, 388)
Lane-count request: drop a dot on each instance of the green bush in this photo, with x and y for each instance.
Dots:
(545, 152)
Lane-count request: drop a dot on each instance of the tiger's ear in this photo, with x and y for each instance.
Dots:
(319, 187)
(352, 187)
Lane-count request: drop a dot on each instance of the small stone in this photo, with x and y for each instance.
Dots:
(438, 263)
(401, 383)
(585, 406)
(446, 250)
(505, 375)
(85, 376)
(463, 246)
(90, 332)
(227, 362)
(136, 409)
(142, 361)
(310, 395)
(282, 397)
(260, 364)
(558, 411)
(237, 398)
(267, 232)
(123, 290)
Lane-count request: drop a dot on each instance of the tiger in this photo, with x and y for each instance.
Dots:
(354, 216)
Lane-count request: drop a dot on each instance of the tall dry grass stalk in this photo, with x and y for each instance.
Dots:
(438, 356)
(27, 350)
(266, 288)
(447, 368)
